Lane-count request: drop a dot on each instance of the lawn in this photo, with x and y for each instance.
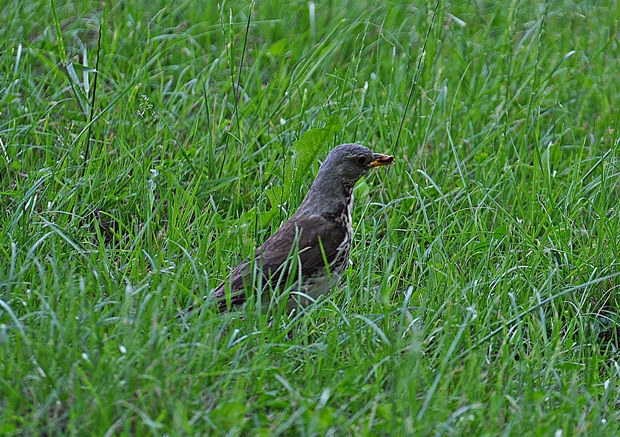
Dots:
(148, 147)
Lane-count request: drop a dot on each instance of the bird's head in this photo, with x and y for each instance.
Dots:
(334, 184)
(351, 161)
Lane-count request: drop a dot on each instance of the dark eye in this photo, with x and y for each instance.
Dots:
(362, 160)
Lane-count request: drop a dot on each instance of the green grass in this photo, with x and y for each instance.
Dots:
(482, 299)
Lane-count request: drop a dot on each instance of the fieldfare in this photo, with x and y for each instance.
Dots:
(309, 252)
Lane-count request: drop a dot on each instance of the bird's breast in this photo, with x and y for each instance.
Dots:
(344, 216)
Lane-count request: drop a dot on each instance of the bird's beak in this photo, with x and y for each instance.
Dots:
(378, 159)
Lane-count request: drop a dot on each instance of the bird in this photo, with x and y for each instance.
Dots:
(310, 251)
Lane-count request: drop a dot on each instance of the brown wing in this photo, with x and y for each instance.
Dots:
(318, 240)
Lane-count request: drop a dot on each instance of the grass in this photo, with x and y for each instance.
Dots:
(143, 147)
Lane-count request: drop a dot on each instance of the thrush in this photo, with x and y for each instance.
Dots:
(310, 251)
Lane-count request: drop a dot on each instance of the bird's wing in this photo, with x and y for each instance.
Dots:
(318, 240)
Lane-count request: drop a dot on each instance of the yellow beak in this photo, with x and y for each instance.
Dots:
(379, 159)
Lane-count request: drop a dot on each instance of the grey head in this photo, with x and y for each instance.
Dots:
(342, 168)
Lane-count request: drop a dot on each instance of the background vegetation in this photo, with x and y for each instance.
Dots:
(143, 150)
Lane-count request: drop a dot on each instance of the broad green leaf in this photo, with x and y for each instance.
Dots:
(278, 47)
(305, 151)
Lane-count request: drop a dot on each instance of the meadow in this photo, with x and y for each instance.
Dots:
(146, 147)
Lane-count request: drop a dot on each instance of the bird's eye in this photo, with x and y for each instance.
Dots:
(362, 160)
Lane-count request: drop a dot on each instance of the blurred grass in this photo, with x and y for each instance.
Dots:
(482, 294)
